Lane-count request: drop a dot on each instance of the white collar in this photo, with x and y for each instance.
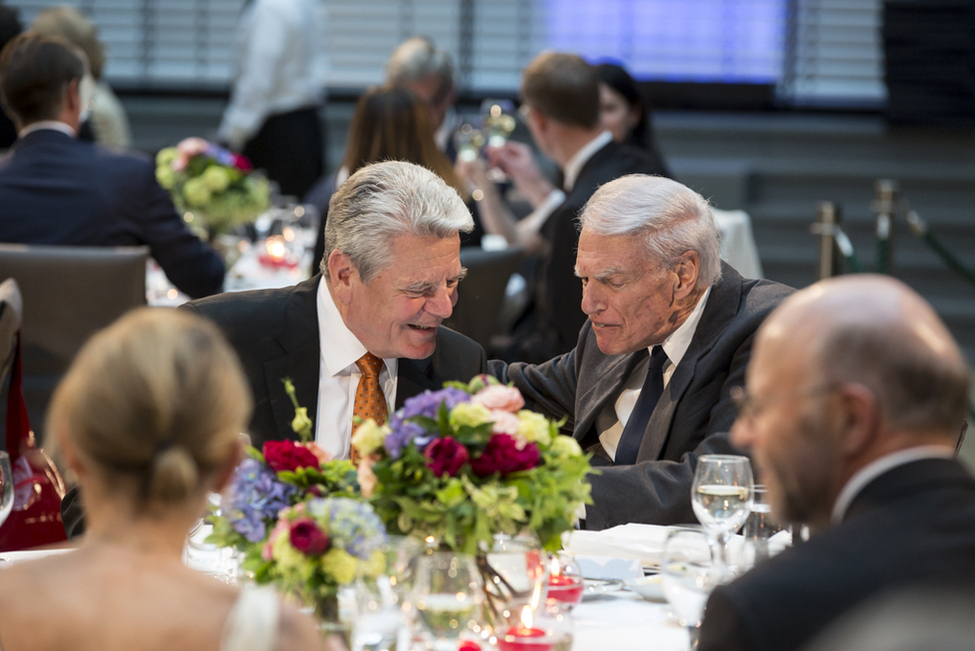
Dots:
(579, 159)
(54, 125)
(340, 348)
(680, 339)
(882, 465)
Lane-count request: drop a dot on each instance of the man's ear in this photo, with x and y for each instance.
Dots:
(341, 275)
(862, 420)
(686, 271)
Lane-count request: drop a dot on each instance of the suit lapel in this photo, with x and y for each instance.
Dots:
(613, 373)
(413, 378)
(721, 308)
(300, 361)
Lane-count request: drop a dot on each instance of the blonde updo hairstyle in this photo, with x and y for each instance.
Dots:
(154, 404)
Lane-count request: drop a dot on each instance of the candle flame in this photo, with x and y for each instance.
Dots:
(526, 616)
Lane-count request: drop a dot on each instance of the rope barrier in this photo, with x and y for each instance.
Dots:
(920, 228)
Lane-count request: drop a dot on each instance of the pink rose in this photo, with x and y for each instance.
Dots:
(446, 456)
(500, 397)
(505, 423)
(266, 552)
(307, 538)
(180, 162)
(502, 456)
(192, 146)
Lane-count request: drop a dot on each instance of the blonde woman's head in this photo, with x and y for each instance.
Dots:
(153, 404)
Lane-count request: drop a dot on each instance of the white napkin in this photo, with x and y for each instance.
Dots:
(644, 542)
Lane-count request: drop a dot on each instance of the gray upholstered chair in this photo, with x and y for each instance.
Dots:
(481, 295)
(69, 292)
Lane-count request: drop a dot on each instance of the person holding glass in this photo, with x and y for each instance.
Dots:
(855, 400)
(148, 417)
(670, 327)
(623, 111)
(560, 95)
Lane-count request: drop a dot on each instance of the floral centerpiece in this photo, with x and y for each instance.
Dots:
(213, 183)
(467, 462)
(298, 519)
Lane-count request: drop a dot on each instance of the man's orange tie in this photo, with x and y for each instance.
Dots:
(370, 401)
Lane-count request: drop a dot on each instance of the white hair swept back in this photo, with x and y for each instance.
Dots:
(384, 200)
(670, 217)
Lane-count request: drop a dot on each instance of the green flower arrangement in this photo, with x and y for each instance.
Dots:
(209, 182)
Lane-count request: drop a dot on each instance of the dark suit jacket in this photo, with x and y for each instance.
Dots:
(912, 526)
(552, 325)
(692, 417)
(55, 189)
(275, 332)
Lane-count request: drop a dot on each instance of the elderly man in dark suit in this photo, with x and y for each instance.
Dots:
(56, 189)
(647, 387)
(369, 323)
(389, 278)
(561, 94)
(856, 397)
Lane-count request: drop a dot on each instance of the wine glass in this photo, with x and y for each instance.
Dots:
(468, 142)
(498, 119)
(6, 487)
(721, 497)
(688, 576)
(447, 594)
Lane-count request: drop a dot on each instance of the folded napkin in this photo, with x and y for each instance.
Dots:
(644, 542)
(30, 554)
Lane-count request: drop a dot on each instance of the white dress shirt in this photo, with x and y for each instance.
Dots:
(882, 465)
(534, 221)
(338, 378)
(53, 125)
(611, 421)
(281, 65)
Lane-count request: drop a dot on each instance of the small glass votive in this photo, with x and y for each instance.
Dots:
(548, 629)
(565, 583)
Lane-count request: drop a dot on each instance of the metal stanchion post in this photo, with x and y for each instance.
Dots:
(827, 219)
(885, 206)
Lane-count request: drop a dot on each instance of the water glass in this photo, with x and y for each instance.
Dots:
(759, 527)
(721, 496)
(379, 618)
(448, 595)
(6, 487)
(688, 575)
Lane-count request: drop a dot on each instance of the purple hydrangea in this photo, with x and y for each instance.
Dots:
(425, 404)
(352, 525)
(254, 499)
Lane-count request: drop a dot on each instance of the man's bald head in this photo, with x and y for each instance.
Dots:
(843, 373)
(876, 331)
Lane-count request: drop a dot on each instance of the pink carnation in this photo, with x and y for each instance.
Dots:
(500, 397)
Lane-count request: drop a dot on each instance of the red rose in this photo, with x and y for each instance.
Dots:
(503, 456)
(446, 456)
(287, 455)
(242, 163)
(307, 538)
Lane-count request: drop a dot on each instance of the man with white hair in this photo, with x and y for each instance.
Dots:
(856, 397)
(427, 71)
(389, 279)
(365, 335)
(670, 328)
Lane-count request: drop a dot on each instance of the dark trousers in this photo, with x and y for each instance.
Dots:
(289, 148)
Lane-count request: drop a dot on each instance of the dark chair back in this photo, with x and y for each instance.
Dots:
(481, 294)
(69, 292)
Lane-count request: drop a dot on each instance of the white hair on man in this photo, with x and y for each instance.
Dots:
(384, 200)
(672, 219)
(417, 58)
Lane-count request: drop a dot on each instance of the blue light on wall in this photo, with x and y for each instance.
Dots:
(729, 41)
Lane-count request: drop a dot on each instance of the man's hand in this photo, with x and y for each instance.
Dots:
(517, 161)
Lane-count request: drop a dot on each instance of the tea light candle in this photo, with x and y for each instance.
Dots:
(523, 638)
(564, 588)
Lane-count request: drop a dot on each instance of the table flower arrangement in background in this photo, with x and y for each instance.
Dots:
(298, 519)
(211, 183)
(467, 462)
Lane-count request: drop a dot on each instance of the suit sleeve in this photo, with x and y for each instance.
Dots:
(549, 388)
(189, 264)
(723, 628)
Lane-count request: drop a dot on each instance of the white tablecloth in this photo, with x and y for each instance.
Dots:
(626, 622)
(737, 242)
